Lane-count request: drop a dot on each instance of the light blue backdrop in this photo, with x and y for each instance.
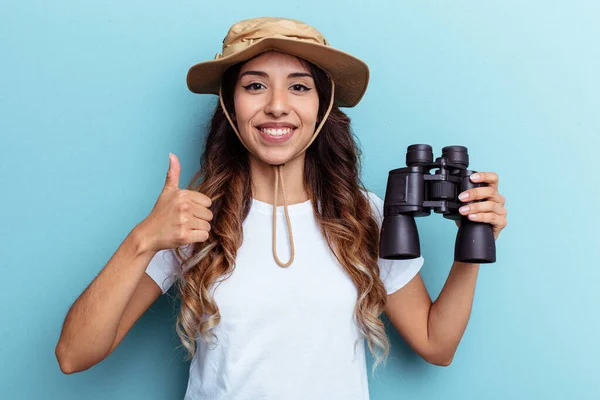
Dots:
(93, 98)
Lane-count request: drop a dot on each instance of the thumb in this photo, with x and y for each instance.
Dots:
(172, 180)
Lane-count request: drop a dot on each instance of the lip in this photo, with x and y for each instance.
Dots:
(275, 125)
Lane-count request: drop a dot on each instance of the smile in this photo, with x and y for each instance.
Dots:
(276, 132)
(276, 135)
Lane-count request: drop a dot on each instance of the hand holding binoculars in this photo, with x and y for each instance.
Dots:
(413, 191)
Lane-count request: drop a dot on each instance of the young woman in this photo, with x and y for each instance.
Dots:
(257, 326)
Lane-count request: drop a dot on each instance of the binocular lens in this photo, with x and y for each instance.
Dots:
(419, 154)
(399, 238)
(456, 155)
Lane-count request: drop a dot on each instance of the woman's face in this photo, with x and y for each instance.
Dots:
(276, 106)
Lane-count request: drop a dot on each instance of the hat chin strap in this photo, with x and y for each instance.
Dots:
(278, 169)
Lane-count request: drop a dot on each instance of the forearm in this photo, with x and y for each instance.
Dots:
(450, 312)
(91, 324)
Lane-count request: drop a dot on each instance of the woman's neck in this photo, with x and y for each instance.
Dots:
(263, 181)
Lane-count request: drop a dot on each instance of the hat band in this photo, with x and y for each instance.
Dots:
(236, 47)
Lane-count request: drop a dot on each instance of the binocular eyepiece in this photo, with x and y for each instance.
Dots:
(413, 191)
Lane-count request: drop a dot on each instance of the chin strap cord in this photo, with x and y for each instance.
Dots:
(279, 177)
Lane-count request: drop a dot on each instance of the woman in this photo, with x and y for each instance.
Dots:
(255, 325)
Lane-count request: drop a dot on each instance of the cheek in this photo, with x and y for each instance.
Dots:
(310, 110)
(245, 108)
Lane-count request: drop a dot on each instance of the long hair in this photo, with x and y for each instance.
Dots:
(345, 218)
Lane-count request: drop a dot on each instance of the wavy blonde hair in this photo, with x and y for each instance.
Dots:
(345, 218)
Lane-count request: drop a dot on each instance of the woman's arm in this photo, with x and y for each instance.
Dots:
(434, 330)
(450, 313)
(109, 306)
(119, 295)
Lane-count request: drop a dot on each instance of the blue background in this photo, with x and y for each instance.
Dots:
(93, 98)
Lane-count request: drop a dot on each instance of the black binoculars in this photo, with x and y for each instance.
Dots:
(413, 191)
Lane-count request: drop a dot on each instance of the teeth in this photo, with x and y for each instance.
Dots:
(277, 132)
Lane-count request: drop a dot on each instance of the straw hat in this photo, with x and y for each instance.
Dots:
(251, 37)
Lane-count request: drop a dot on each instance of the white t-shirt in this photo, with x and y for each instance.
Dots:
(285, 333)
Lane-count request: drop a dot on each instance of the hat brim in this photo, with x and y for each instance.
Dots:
(350, 74)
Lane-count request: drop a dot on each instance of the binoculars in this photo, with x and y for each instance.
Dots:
(413, 191)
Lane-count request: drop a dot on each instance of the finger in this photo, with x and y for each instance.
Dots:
(201, 212)
(479, 193)
(172, 180)
(198, 236)
(484, 206)
(490, 178)
(200, 198)
(489, 218)
(502, 200)
(198, 224)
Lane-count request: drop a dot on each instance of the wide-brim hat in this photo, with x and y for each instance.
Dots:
(251, 37)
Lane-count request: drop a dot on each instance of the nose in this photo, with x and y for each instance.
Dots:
(278, 103)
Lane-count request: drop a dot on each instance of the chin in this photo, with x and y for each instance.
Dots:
(275, 157)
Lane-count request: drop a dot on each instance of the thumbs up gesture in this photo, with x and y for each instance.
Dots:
(179, 216)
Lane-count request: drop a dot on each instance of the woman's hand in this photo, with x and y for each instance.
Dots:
(179, 217)
(491, 211)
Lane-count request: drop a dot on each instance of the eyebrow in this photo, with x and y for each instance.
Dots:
(265, 75)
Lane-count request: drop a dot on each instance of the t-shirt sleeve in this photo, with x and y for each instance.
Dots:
(164, 267)
(394, 273)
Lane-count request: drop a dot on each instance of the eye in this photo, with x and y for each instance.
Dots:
(300, 88)
(254, 86)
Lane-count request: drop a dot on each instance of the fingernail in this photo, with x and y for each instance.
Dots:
(463, 195)
(473, 216)
(464, 209)
(475, 177)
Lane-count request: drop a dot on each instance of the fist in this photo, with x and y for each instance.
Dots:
(179, 217)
